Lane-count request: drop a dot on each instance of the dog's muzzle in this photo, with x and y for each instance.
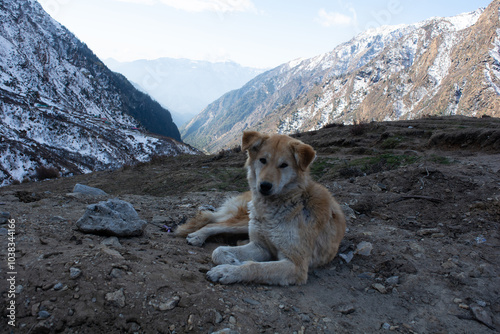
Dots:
(265, 188)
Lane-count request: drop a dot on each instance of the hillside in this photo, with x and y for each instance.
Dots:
(184, 86)
(62, 108)
(424, 193)
(441, 66)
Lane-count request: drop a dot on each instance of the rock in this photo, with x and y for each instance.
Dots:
(347, 257)
(379, 287)
(347, 309)
(113, 217)
(159, 220)
(226, 331)
(116, 273)
(116, 298)
(89, 191)
(58, 286)
(393, 280)
(169, 304)
(364, 248)
(482, 315)
(427, 231)
(74, 273)
(4, 217)
(43, 314)
(58, 219)
(112, 242)
(348, 212)
(251, 301)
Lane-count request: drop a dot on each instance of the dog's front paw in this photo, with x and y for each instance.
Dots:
(224, 273)
(195, 240)
(225, 255)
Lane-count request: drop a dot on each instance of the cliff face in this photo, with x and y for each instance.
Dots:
(61, 107)
(439, 66)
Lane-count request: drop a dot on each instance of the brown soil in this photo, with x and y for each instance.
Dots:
(424, 193)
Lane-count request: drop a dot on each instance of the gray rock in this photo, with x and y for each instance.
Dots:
(393, 280)
(58, 286)
(4, 217)
(90, 191)
(112, 242)
(74, 273)
(116, 298)
(482, 315)
(113, 217)
(43, 315)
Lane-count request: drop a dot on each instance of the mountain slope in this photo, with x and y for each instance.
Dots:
(61, 107)
(392, 72)
(184, 86)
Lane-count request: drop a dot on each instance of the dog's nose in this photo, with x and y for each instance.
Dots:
(265, 188)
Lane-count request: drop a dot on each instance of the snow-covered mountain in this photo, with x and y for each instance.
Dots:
(438, 66)
(62, 108)
(184, 86)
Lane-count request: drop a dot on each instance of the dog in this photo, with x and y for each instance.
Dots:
(293, 223)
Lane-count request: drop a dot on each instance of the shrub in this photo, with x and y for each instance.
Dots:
(44, 172)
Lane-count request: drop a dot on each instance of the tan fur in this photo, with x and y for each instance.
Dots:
(293, 222)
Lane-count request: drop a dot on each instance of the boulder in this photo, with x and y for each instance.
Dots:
(113, 218)
(86, 190)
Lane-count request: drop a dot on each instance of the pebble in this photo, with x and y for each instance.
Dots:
(481, 315)
(74, 273)
(4, 217)
(116, 298)
(347, 309)
(379, 287)
(226, 331)
(393, 280)
(58, 286)
(43, 315)
(251, 301)
(170, 304)
(364, 248)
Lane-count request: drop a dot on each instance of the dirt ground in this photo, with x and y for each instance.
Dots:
(425, 194)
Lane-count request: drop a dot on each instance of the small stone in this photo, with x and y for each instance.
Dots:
(112, 242)
(457, 300)
(364, 248)
(386, 326)
(379, 287)
(43, 314)
(232, 320)
(393, 280)
(116, 273)
(58, 219)
(463, 306)
(347, 257)
(482, 315)
(428, 231)
(170, 304)
(159, 220)
(19, 289)
(116, 298)
(251, 301)
(58, 286)
(347, 309)
(4, 217)
(74, 273)
(218, 317)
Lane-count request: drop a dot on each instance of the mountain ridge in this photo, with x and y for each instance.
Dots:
(304, 95)
(63, 109)
(185, 86)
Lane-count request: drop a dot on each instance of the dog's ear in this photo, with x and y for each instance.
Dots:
(252, 140)
(304, 154)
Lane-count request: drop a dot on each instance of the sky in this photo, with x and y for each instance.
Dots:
(254, 33)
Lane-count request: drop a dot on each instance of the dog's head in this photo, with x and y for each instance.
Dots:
(276, 163)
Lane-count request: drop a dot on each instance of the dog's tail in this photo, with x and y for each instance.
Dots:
(202, 219)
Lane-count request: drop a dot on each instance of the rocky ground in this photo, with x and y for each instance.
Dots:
(423, 194)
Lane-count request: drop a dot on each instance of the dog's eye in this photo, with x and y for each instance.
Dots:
(284, 165)
(263, 161)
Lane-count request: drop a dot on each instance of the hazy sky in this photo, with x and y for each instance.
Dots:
(257, 33)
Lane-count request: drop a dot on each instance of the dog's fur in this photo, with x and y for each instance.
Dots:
(293, 222)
